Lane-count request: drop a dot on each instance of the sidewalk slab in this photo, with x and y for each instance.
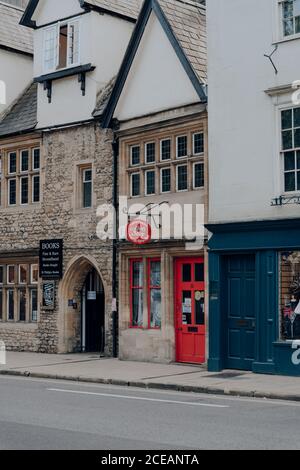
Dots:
(189, 378)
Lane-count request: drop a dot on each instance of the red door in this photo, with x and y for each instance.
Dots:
(190, 310)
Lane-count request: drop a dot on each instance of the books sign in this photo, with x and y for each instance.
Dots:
(51, 259)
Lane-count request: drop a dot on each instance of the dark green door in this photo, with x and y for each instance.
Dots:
(240, 312)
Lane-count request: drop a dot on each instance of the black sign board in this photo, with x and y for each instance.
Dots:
(49, 295)
(51, 259)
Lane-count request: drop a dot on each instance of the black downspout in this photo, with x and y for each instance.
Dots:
(115, 146)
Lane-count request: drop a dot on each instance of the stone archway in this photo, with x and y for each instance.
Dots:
(69, 321)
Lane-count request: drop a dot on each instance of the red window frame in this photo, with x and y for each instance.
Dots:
(132, 288)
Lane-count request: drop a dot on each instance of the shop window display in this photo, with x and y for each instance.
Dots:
(290, 295)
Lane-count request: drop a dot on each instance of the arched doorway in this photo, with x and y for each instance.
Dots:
(83, 297)
(92, 314)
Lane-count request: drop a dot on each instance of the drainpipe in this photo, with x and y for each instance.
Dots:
(115, 146)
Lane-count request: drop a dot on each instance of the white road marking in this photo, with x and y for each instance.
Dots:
(109, 395)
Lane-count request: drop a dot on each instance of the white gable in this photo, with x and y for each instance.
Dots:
(157, 80)
(53, 10)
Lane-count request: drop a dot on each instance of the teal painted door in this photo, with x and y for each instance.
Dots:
(240, 312)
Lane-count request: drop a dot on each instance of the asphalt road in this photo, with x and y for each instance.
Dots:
(41, 414)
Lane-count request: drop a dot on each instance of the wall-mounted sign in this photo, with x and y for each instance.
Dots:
(48, 295)
(51, 259)
(92, 295)
(139, 232)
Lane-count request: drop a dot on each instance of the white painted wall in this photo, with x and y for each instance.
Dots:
(157, 81)
(103, 41)
(53, 10)
(244, 139)
(16, 72)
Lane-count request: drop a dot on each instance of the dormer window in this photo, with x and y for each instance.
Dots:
(61, 46)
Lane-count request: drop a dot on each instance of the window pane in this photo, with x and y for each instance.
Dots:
(34, 305)
(182, 146)
(150, 182)
(289, 161)
(198, 143)
(290, 181)
(166, 149)
(155, 306)
(298, 160)
(200, 308)
(24, 190)
(287, 140)
(73, 51)
(135, 155)
(1, 274)
(135, 185)
(187, 308)
(11, 274)
(137, 307)
(22, 305)
(297, 117)
(12, 162)
(199, 175)
(25, 160)
(182, 179)
(166, 180)
(286, 119)
(34, 274)
(155, 273)
(23, 274)
(288, 27)
(87, 188)
(150, 152)
(187, 273)
(10, 304)
(199, 272)
(298, 180)
(36, 163)
(63, 41)
(137, 274)
(36, 189)
(12, 192)
(297, 24)
(297, 138)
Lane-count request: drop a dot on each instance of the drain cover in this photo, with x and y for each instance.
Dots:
(227, 375)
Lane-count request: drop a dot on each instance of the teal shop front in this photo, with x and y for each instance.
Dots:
(254, 292)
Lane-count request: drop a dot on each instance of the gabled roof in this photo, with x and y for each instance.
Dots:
(128, 9)
(13, 36)
(22, 116)
(184, 22)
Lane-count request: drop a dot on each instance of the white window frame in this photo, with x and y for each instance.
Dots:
(187, 145)
(160, 149)
(194, 176)
(131, 148)
(161, 180)
(32, 267)
(194, 135)
(8, 192)
(8, 169)
(32, 188)
(32, 159)
(146, 144)
(20, 190)
(281, 35)
(7, 274)
(177, 181)
(21, 155)
(131, 177)
(84, 181)
(280, 108)
(146, 183)
(30, 305)
(55, 29)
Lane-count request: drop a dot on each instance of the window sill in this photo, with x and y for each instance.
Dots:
(287, 39)
(68, 72)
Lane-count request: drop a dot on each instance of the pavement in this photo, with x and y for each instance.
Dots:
(43, 414)
(177, 377)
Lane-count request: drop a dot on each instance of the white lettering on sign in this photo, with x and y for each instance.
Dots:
(296, 354)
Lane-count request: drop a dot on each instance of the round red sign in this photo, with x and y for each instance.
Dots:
(139, 232)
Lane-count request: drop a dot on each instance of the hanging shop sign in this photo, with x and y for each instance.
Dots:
(139, 232)
(51, 259)
(48, 295)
